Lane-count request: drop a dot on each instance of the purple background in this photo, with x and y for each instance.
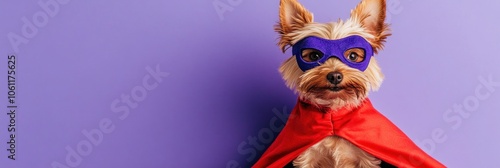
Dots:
(223, 82)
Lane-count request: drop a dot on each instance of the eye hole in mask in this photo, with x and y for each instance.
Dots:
(311, 55)
(355, 55)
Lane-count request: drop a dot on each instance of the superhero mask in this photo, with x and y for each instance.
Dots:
(353, 51)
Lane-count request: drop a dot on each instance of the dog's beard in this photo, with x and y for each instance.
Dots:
(314, 87)
(333, 97)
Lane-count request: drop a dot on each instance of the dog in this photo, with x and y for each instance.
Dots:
(333, 84)
(333, 69)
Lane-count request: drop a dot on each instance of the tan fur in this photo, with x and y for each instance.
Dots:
(293, 16)
(296, 23)
(357, 83)
(335, 152)
(371, 15)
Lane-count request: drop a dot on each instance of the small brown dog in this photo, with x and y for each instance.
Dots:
(332, 69)
(333, 84)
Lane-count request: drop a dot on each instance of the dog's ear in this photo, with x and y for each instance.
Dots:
(371, 15)
(293, 16)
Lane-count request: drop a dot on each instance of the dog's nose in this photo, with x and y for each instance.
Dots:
(334, 77)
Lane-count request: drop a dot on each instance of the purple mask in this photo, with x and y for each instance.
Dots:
(324, 49)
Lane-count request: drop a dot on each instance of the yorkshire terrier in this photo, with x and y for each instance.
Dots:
(332, 69)
(336, 79)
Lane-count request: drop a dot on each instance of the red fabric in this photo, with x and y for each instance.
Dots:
(364, 126)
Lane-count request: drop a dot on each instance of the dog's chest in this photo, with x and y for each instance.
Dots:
(334, 151)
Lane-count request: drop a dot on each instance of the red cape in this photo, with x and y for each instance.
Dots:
(363, 126)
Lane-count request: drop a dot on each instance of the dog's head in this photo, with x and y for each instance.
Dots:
(332, 63)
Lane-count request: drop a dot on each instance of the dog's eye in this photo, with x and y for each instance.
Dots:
(311, 55)
(314, 56)
(355, 55)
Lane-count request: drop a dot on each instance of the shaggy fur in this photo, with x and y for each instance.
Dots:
(335, 152)
(296, 23)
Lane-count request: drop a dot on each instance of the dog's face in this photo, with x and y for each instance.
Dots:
(335, 81)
